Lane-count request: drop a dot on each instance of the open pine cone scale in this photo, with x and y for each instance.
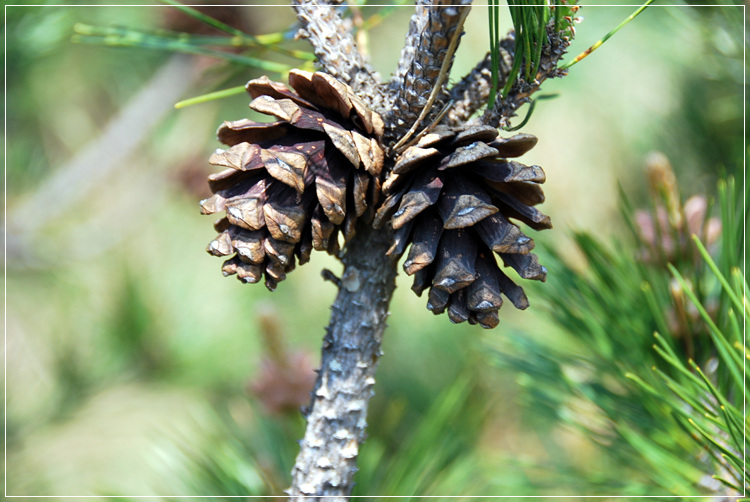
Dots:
(302, 181)
(451, 197)
(295, 184)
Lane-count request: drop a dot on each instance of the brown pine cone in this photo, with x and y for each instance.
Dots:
(292, 185)
(451, 196)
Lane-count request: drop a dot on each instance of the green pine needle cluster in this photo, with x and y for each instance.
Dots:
(117, 36)
(531, 20)
(654, 363)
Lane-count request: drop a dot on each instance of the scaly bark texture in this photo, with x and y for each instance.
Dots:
(471, 93)
(337, 417)
(431, 31)
(326, 464)
(335, 47)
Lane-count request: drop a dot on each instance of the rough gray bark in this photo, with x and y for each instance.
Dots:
(326, 464)
(336, 419)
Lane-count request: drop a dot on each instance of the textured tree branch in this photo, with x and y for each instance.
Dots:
(431, 30)
(471, 93)
(336, 49)
(336, 418)
(326, 464)
(520, 93)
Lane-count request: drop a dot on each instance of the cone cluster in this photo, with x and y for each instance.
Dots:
(297, 183)
(452, 198)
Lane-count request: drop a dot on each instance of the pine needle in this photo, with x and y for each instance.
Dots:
(211, 96)
(606, 37)
(125, 37)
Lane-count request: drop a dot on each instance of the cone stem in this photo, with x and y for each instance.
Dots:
(336, 419)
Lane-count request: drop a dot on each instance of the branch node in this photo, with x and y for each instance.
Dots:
(350, 279)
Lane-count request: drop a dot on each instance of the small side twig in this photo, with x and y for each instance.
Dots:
(329, 276)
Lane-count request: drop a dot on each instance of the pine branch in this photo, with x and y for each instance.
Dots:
(471, 93)
(335, 47)
(425, 61)
(325, 466)
(521, 91)
(336, 418)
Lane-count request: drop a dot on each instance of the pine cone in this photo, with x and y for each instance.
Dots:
(292, 185)
(451, 197)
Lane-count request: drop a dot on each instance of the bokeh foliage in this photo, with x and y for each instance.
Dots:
(630, 373)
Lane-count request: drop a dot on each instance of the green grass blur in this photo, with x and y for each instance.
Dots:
(130, 358)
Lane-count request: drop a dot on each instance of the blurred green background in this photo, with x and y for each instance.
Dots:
(133, 366)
